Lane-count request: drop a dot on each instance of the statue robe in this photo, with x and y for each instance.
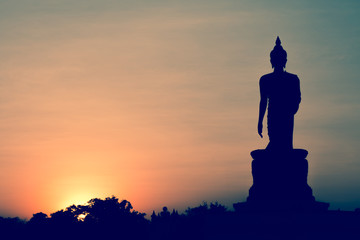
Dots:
(282, 91)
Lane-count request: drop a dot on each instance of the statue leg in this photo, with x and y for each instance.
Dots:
(280, 131)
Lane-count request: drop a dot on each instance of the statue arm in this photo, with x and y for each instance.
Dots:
(297, 95)
(262, 106)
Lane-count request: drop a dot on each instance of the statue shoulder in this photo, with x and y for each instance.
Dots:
(292, 76)
(265, 78)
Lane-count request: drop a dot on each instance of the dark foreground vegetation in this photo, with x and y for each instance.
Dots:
(114, 219)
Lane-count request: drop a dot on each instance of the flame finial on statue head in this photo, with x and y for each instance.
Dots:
(278, 42)
(278, 55)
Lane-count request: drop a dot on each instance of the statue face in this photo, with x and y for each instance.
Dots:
(278, 62)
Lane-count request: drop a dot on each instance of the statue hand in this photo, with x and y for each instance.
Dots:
(260, 127)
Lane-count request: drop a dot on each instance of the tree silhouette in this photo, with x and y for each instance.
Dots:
(110, 218)
(110, 211)
(39, 218)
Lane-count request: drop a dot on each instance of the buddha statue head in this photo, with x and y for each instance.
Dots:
(278, 56)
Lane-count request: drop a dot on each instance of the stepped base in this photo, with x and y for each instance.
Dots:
(278, 207)
(280, 183)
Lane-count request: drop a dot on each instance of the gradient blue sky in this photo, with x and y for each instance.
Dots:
(156, 102)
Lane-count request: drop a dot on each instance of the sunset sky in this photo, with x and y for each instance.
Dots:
(156, 101)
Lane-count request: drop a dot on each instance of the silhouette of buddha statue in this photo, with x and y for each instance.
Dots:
(279, 172)
(280, 95)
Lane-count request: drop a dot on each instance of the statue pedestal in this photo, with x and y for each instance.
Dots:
(280, 183)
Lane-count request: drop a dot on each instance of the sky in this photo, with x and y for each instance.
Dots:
(156, 101)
